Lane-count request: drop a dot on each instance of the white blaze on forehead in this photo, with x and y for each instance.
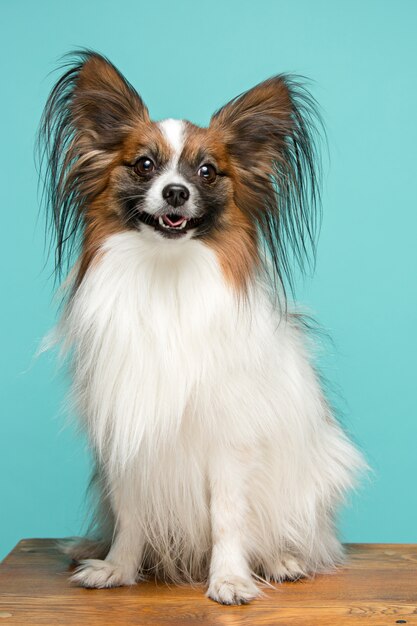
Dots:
(174, 133)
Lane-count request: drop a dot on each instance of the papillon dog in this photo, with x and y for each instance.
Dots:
(217, 457)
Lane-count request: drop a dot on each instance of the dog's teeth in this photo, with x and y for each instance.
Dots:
(165, 225)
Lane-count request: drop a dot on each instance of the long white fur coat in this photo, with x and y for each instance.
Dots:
(212, 436)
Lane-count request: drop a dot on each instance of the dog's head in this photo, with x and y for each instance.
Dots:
(249, 177)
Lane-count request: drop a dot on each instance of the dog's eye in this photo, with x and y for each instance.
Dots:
(144, 166)
(208, 173)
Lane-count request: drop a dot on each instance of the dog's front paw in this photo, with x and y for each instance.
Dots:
(289, 567)
(97, 574)
(232, 589)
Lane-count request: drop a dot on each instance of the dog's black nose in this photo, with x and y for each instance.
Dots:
(175, 195)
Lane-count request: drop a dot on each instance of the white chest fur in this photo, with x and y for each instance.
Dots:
(154, 329)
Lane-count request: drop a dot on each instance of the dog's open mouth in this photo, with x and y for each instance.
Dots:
(171, 220)
(171, 224)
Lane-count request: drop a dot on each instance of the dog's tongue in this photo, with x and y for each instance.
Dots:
(173, 220)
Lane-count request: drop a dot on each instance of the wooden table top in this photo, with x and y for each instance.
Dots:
(378, 586)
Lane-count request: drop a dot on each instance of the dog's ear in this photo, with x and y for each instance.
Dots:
(270, 133)
(102, 102)
(255, 125)
(88, 115)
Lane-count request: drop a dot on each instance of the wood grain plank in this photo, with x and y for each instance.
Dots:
(378, 586)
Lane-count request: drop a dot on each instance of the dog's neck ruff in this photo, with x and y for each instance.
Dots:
(147, 327)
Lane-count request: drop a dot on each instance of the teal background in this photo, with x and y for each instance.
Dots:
(186, 59)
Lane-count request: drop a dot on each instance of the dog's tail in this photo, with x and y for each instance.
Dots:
(80, 548)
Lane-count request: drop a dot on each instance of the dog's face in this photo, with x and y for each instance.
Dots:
(111, 168)
(175, 180)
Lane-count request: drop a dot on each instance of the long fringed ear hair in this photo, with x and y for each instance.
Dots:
(271, 133)
(89, 113)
